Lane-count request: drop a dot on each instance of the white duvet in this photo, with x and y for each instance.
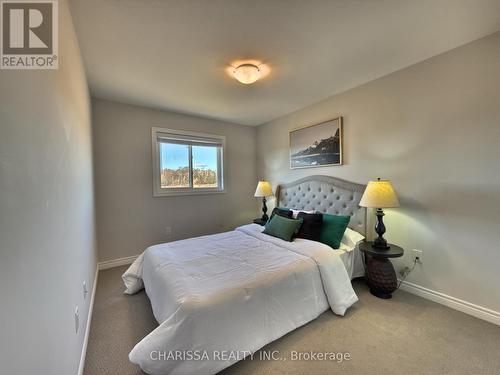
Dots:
(221, 297)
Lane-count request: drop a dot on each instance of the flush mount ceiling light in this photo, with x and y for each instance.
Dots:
(247, 73)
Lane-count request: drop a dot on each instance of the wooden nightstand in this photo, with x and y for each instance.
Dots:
(259, 221)
(380, 272)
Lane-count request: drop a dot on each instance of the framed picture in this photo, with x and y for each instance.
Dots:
(316, 145)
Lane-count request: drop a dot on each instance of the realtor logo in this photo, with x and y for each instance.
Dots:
(29, 34)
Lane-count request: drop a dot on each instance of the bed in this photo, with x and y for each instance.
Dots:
(220, 298)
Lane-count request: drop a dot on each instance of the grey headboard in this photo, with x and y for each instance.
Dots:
(327, 195)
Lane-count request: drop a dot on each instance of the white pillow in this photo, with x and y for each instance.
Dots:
(296, 212)
(351, 238)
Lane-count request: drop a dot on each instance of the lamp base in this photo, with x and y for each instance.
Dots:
(264, 217)
(380, 242)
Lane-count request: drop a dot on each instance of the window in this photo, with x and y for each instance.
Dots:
(187, 162)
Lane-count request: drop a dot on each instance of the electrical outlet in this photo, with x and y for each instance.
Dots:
(168, 231)
(417, 254)
(85, 290)
(77, 319)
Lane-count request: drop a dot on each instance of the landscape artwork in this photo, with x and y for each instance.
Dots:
(317, 145)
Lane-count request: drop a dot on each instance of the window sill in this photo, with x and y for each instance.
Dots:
(186, 192)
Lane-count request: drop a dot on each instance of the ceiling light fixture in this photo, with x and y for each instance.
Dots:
(247, 73)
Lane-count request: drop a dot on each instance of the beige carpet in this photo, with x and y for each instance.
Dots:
(404, 335)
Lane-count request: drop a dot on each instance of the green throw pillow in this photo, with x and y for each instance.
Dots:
(332, 229)
(282, 227)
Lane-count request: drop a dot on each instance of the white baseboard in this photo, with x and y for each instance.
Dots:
(452, 302)
(116, 262)
(100, 266)
(87, 326)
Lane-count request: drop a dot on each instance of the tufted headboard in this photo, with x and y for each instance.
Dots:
(327, 195)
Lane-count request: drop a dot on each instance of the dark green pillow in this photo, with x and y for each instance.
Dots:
(282, 227)
(332, 229)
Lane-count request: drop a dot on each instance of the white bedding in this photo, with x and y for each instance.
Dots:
(352, 259)
(231, 293)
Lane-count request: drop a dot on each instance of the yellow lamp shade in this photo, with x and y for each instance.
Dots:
(264, 189)
(379, 194)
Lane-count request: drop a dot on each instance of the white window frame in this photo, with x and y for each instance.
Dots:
(158, 191)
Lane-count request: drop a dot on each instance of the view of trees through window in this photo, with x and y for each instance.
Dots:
(174, 166)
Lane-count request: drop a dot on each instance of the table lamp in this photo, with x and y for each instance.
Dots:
(379, 194)
(263, 190)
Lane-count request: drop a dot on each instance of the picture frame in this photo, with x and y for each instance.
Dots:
(317, 145)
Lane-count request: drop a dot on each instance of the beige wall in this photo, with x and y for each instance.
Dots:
(46, 212)
(434, 129)
(129, 218)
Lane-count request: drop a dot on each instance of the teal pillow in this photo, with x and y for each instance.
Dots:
(285, 212)
(282, 227)
(332, 229)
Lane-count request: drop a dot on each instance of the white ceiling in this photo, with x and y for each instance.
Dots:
(173, 55)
